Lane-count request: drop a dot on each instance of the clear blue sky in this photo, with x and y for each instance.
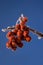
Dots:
(32, 52)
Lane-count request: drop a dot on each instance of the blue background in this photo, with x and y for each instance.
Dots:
(32, 52)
